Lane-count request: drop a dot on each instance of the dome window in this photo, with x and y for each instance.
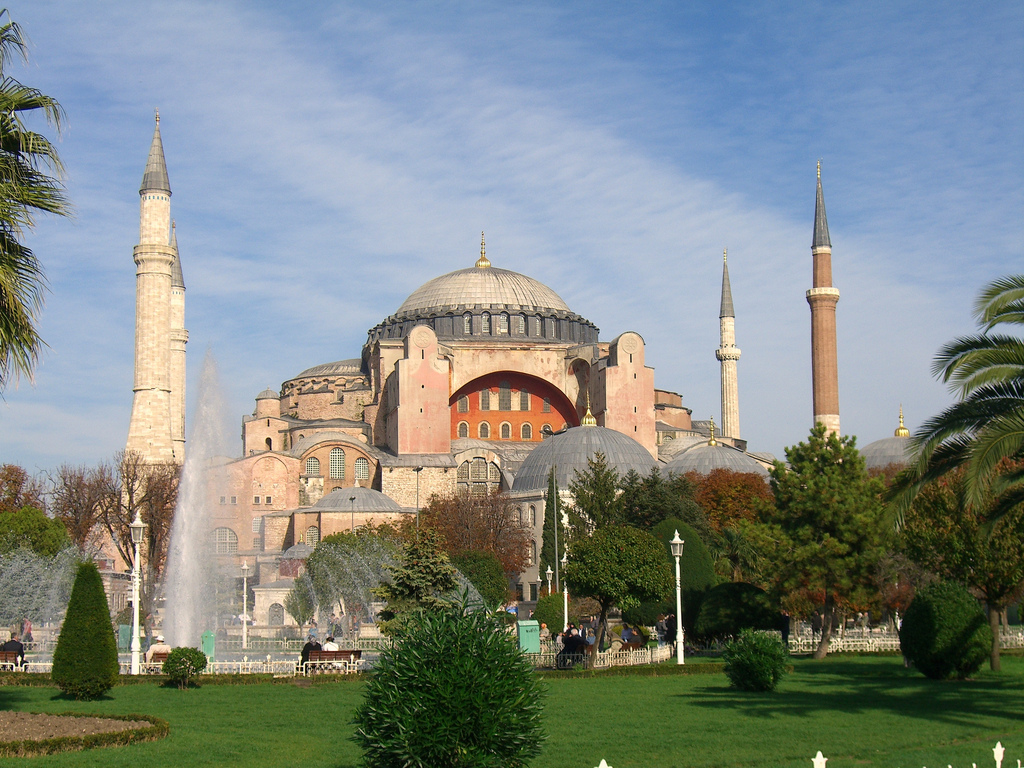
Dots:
(467, 324)
(503, 324)
(485, 323)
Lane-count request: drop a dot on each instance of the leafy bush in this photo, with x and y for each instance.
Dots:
(550, 610)
(452, 691)
(945, 632)
(728, 609)
(484, 571)
(85, 661)
(755, 661)
(182, 664)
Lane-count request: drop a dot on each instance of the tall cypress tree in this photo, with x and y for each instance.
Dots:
(550, 553)
(85, 661)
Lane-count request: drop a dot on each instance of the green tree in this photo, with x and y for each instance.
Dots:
(300, 601)
(423, 580)
(618, 566)
(30, 528)
(29, 164)
(646, 501)
(484, 571)
(553, 540)
(595, 495)
(986, 425)
(826, 524)
(696, 569)
(963, 543)
(85, 661)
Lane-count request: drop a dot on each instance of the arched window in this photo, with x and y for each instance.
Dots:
(312, 537)
(503, 324)
(225, 541)
(484, 430)
(504, 396)
(485, 399)
(520, 325)
(493, 473)
(270, 444)
(506, 431)
(547, 405)
(533, 516)
(485, 323)
(545, 431)
(276, 616)
(337, 464)
(463, 429)
(533, 552)
(526, 432)
(464, 404)
(312, 466)
(467, 324)
(463, 472)
(362, 469)
(524, 400)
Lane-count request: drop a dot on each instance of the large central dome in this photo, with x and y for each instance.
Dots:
(481, 286)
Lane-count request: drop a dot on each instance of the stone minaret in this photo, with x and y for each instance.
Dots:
(823, 299)
(728, 353)
(159, 322)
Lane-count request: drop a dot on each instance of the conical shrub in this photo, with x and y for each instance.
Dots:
(85, 662)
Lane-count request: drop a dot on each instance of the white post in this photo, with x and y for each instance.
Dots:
(136, 645)
(565, 593)
(245, 605)
(677, 551)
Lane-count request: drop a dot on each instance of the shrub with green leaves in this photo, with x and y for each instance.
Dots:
(454, 690)
(484, 571)
(182, 664)
(945, 632)
(85, 661)
(755, 661)
(728, 609)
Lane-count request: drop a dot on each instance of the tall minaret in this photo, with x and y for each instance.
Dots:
(150, 430)
(823, 299)
(728, 353)
(178, 340)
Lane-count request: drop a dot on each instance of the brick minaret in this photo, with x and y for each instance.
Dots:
(153, 429)
(728, 353)
(823, 298)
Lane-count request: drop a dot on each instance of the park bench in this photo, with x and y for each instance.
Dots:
(9, 660)
(156, 663)
(344, 660)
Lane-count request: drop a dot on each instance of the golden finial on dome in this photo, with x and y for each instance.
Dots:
(901, 431)
(712, 441)
(588, 419)
(482, 262)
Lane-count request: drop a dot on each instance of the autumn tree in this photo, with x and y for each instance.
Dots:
(18, 489)
(826, 525)
(480, 523)
(76, 499)
(968, 544)
(727, 496)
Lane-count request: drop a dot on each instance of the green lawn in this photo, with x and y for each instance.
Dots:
(857, 711)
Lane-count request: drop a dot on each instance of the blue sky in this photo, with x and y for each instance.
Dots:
(326, 159)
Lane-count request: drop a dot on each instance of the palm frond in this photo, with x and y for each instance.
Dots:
(1001, 301)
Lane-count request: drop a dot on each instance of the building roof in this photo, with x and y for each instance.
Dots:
(821, 238)
(154, 179)
(486, 286)
(888, 451)
(268, 394)
(332, 369)
(356, 499)
(303, 444)
(569, 452)
(705, 457)
(300, 551)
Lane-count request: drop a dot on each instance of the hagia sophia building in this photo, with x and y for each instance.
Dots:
(482, 379)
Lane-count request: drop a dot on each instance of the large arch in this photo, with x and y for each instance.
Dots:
(547, 405)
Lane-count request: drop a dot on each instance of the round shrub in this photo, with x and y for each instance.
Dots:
(755, 661)
(454, 690)
(945, 632)
(182, 664)
(728, 609)
(85, 661)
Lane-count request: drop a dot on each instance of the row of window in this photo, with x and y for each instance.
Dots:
(483, 430)
(477, 476)
(504, 400)
(336, 466)
(502, 323)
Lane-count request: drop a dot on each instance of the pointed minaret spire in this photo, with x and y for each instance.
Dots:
(728, 354)
(177, 278)
(482, 262)
(823, 298)
(155, 177)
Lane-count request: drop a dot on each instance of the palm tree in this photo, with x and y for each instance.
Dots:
(27, 160)
(986, 426)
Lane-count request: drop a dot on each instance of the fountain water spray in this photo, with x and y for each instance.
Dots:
(190, 581)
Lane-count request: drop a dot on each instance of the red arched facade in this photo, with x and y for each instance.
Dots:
(504, 399)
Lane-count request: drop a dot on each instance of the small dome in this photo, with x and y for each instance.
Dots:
(333, 369)
(298, 552)
(356, 499)
(887, 451)
(570, 451)
(268, 394)
(705, 457)
(498, 288)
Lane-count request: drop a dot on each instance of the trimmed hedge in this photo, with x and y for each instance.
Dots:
(26, 748)
(945, 632)
(728, 609)
(85, 661)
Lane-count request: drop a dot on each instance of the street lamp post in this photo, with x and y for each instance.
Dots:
(677, 551)
(137, 528)
(549, 572)
(565, 592)
(245, 605)
(417, 471)
(352, 509)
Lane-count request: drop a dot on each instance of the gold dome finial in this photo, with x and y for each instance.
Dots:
(725, 255)
(588, 419)
(901, 431)
(482, 262)
(158, 116)
(712, 441)
(819, 170)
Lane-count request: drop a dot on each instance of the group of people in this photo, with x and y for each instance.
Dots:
(312, 644)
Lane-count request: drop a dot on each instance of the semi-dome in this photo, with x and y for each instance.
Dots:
(356, 499)
(712, 455)
(570, 451)
(487, 286)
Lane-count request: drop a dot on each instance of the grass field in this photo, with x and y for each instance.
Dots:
(857, 711)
